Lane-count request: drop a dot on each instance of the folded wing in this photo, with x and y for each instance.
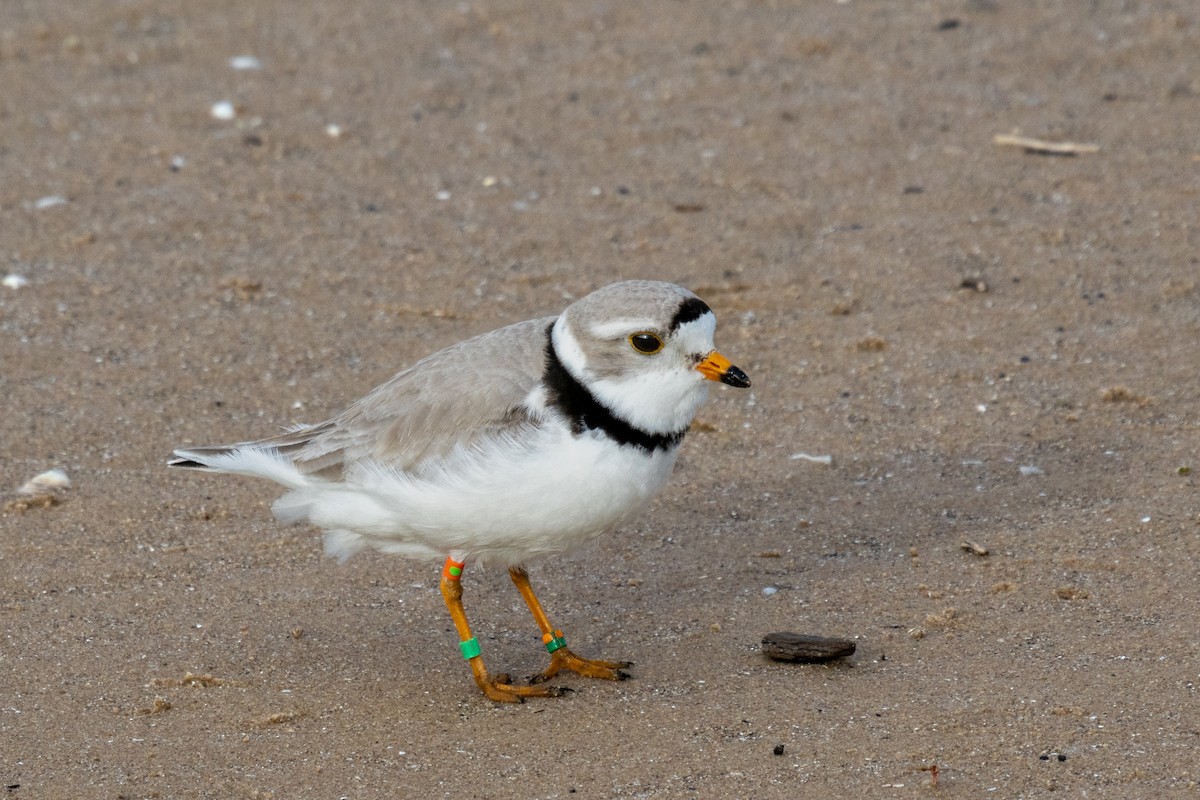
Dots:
(455, 398)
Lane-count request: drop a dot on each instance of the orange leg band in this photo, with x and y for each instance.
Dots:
(452, 570)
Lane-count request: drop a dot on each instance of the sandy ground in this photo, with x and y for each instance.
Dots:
(994, 346)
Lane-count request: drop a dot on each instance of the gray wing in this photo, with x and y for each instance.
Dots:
(457, 396)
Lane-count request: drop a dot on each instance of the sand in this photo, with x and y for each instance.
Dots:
(995, 346)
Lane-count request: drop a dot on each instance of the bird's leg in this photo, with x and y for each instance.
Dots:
(497, 687)
(560, 656)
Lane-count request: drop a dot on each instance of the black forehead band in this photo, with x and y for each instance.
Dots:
(691, 309)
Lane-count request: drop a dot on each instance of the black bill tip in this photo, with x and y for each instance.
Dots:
(735, 377)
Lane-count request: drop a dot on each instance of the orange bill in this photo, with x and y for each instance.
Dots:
(716, 367)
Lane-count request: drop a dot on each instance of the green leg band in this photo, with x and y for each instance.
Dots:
(555, 642)
(469, 648)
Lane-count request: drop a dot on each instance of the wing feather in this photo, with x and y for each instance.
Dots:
(454, 398)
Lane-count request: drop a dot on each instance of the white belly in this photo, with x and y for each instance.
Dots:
(505, 503)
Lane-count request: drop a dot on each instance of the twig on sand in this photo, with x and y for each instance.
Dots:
(1043, 147)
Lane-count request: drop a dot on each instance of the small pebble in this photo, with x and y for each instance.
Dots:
(778, 750)
(333, 131)
(805, 649)
(15, 281)
(223, 110)
(1029, 469)
(50, 201)
(245, 62)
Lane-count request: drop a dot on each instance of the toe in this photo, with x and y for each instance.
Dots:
(603, 670)
(502, 689)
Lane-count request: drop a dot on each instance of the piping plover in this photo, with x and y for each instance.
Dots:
(515, 445)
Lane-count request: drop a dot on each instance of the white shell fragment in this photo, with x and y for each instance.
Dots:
(245, 62)
(50, 481)
(224, 110)
(49, 201)
(825, 460)
(333, 131)
(974, 547)
(1029, 469)
(15, 281)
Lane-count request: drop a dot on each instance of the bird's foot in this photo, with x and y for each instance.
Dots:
(501, 689)
(562, 658)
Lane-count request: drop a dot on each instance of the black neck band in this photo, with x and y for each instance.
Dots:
(586, 413)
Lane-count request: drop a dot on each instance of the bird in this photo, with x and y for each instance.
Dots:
(505, 449)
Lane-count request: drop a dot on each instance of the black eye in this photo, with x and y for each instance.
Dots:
(646, 343)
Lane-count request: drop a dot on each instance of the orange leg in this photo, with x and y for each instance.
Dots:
(560, 657)
(497, 687)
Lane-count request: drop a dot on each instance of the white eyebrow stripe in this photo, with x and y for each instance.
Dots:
(619, 327)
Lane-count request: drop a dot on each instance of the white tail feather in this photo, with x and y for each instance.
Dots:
(343, 544)
(253, 462)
